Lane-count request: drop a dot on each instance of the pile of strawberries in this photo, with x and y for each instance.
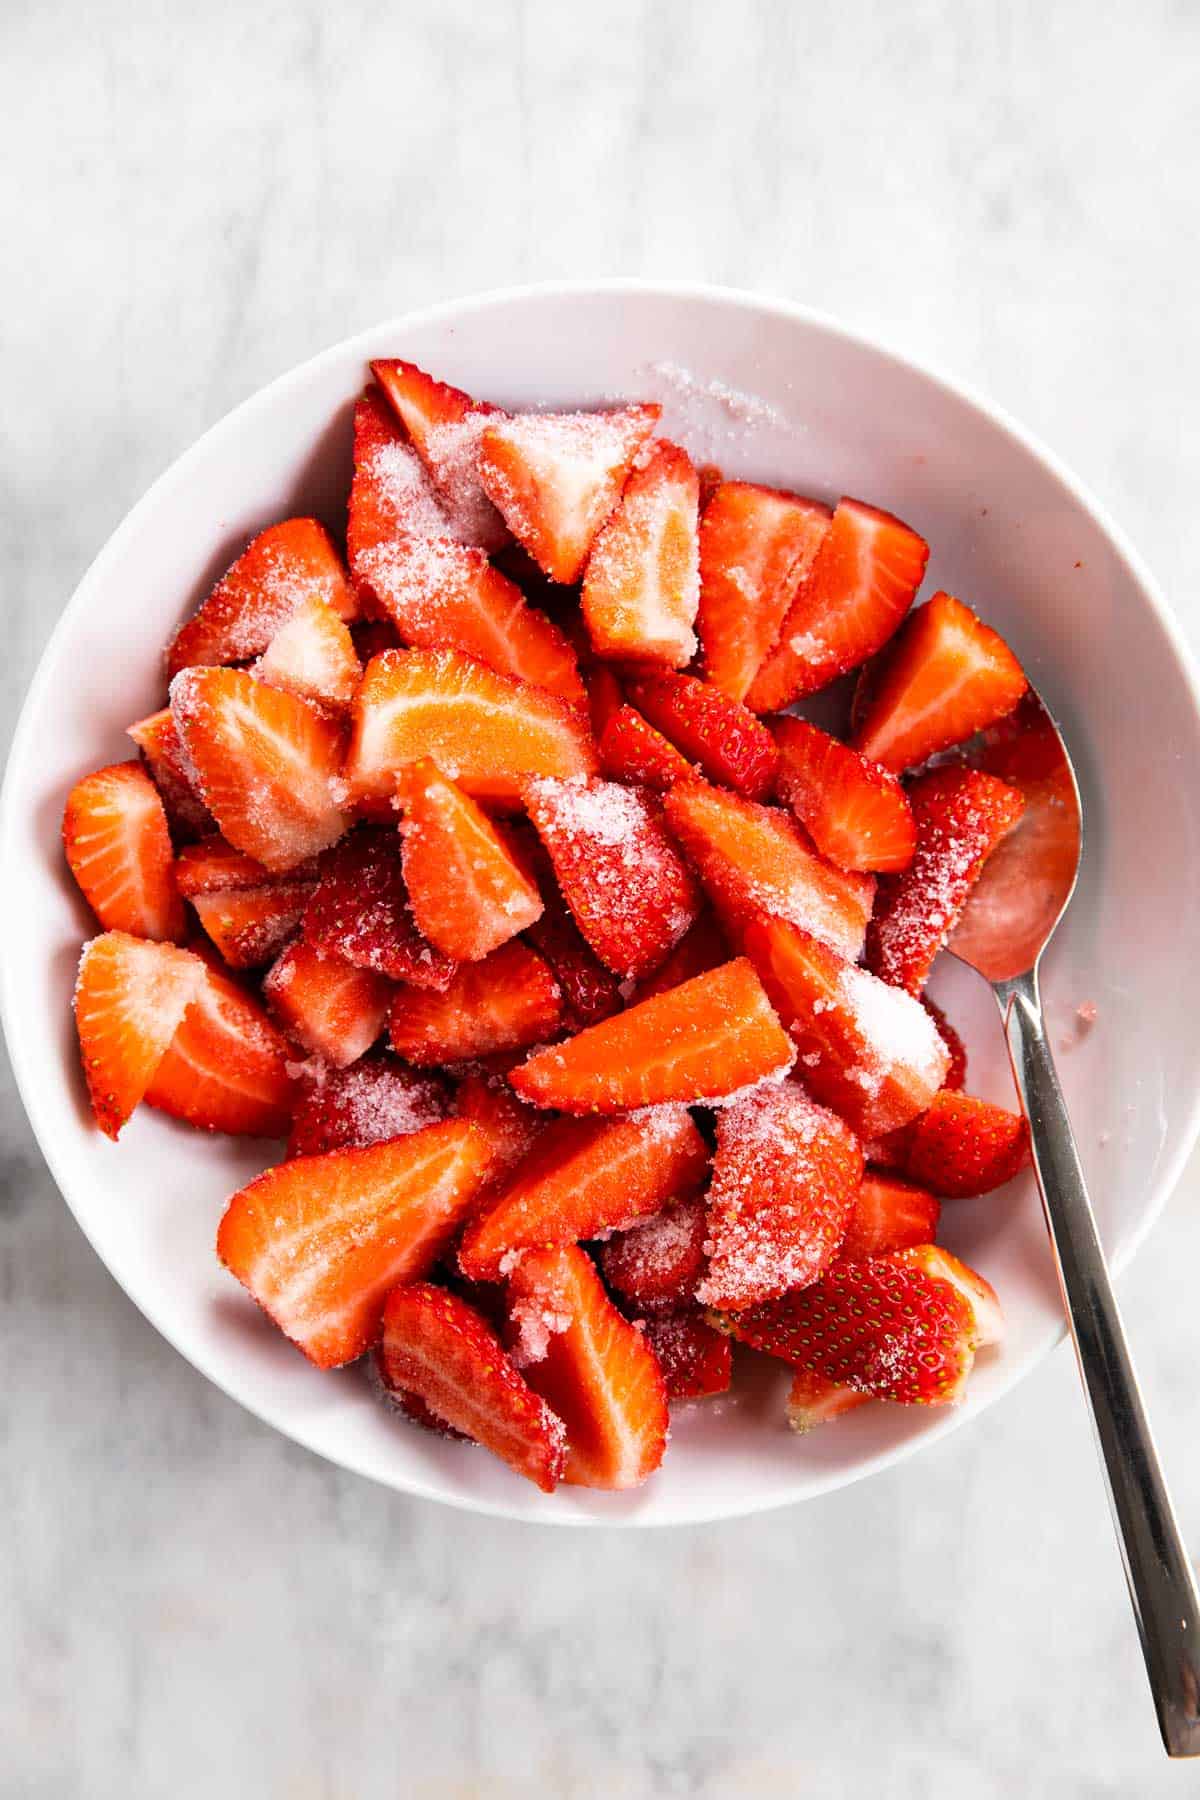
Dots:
(587, 998)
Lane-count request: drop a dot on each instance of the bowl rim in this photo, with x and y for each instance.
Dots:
(177, 472)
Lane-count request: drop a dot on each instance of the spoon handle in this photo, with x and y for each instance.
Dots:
(1161, 1582)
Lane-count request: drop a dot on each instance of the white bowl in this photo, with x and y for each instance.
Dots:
(1012, 532)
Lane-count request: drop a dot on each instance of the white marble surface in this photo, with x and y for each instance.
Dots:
(194, 198)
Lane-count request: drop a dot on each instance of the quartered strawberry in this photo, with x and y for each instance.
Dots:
(163, 754)
(321, 1240)
(658, 1262)
(437, 1348)
(445, 425)
(956, 1074)
(130, 997)
(889, 1214)
(698, 1042)
(861, 584)
(757, 545)
(285, 565)
(118, 845)
(392, 494)
(581, 1178)
(506, 1002)
(703, 947)
(960, 816)
(604, 696)
(592, 1366)
(641, 586)
(785, 1180)
(266, 764)
(249, 926)
(493, 731)
(631, 750)
(979, 1294)
(961, 1146)
(756, 859)
(946, 677)
(814, 1400)
(695, 1360)
(361, 911)
(510, 1126)
(374, 1099)
(629, 890)
(868, 1051)
(227, 1067)
(590, 991)
(557, 476)
(468, 893)
(328, 1006)
(313, 655)
(883, 1326)
(855, 811)
(730, 745)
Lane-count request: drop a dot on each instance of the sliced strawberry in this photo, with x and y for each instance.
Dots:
(814, 1400)
(227, 1067)
(491, 731)
(439, 1349)
(961, 1146)
(392, 494)
(604, 697)
(755, 859)
(590, 991)
(785, 1181)
(979, 1294)
(285, 565)
(467, 892)
(592, 1366)
(506, 1002)
(960, 815)
(946, 677)
(856, 812)
(266, 764)
(581, 1178)
(327, 1005)
(130, 996)
(374, 1099)
(889, 1214)
(628, 888)
(695, 1360)
(557, 476)
(707, 727)
(320, 1241)
(883, 1326)
(641, 587)
(702, 948)
(362, 913)
(861, 584)
(171, 773)
(659, 1261)
(118, 845)
(313, 655)
(249, 926)
(699, 1042)
(956, 1074)
(868, 1051)
(631, 750)
(756, 546)
(511, 1127)
(445, 425)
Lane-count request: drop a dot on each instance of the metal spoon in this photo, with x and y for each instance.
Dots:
(1007, 923)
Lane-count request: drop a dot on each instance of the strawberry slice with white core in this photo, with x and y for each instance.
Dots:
(330, 1008)
(467, 890)
(641, 587)
(855, 811)
(119, 848)
(226, 1068)
(757, 545)
(313, 655)
(445, 425)
(506, 1002)
(979, 1294)
(130, 998)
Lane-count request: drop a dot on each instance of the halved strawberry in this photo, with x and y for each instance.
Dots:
(227, 1067)
(320, 1241)
(313, 655)
(590, 991)
(362, 913)
(703, 947)
(757, 545)
(327, 1005)
(438, 1348)
(979, 1294)
(695, 1360)
(960, 816)
(961, 1146)
(266, 764)
(889, 1214)
(659, 1261)
(445, 424)
(249, 926)
(581, 1178)
(814, 1400)
(506, 1002)
(641, 586)
(115, 835)
(756, 859)
(374, 1099)
(284, 566)
(557, 476)
(171, 773)
(392, 494)
(856, 812)
(467, 892)
(785, 1180)
(946, 677)
(491, 731)
(592, 1366)
(870, 1052)
(706, 726)
(698, 1042)
(631, 750)
(861, 584)
(511, 1127)
(883, 1326)
(130, 996)
(628, 888)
